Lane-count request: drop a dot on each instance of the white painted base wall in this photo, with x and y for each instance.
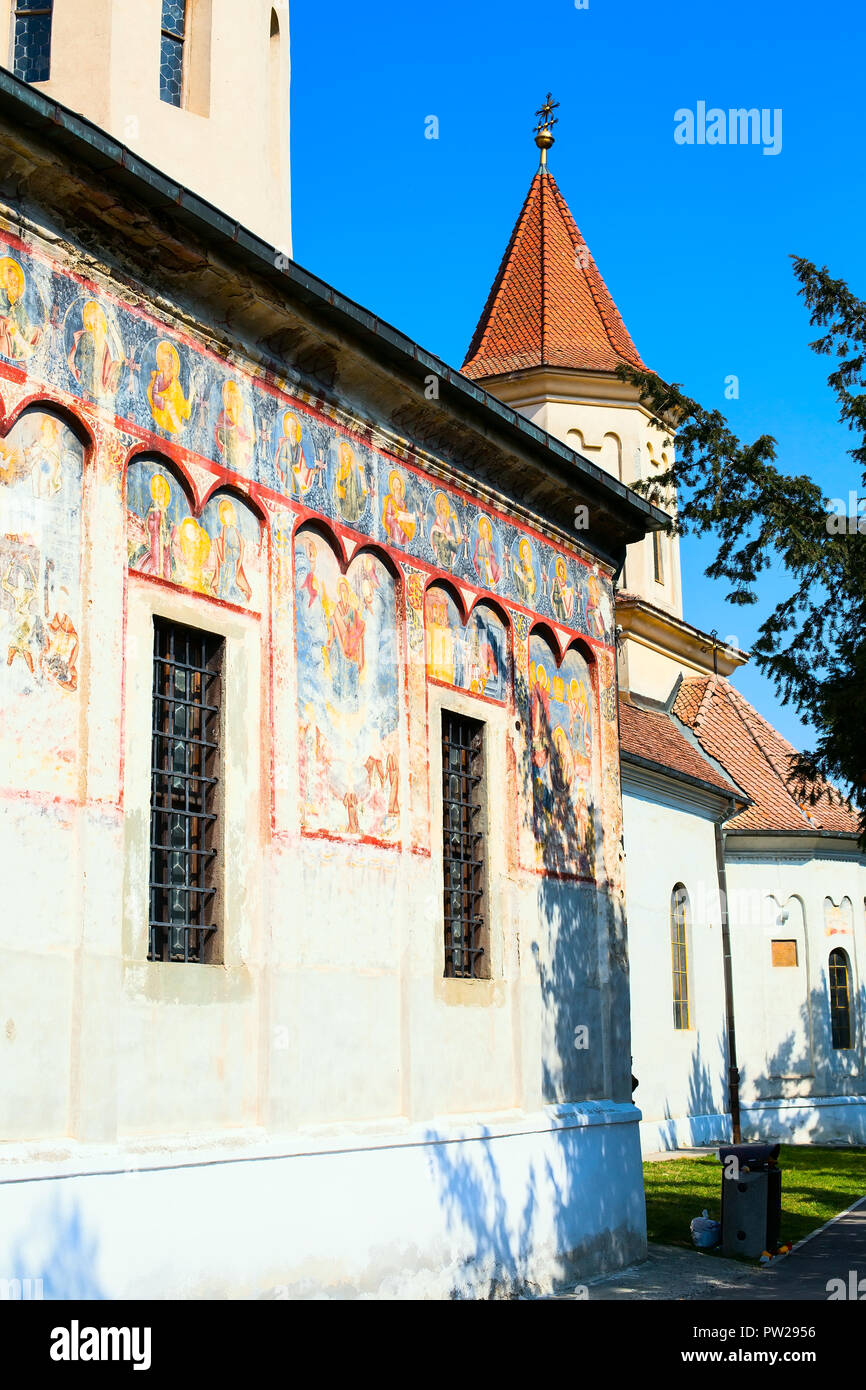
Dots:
(807, 1120)
(684, 1132)
(446, 1212)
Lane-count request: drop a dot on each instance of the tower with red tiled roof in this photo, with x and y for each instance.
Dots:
(548, 343)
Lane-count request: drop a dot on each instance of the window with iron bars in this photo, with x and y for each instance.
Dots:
(463, 846)
(31, 40)
(184, 787)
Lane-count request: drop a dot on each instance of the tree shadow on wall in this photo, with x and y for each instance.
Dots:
(532, 1212)
(58, 1250)
(703, 1098)
(814, 1068)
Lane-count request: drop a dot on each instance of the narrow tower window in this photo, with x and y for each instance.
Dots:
(183, 798)
(840, 1000)
(679, 955)
(31, 44)
(171, 63)
(658, 558)
(463, 842)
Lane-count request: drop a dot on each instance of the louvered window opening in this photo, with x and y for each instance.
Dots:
(463, 845)
(187, 667)
(840, 1000)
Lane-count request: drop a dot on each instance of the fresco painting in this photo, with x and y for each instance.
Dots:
(94, 350)
(112, 355)
(348, 693)
(41, 468)
(297, 463)
(22, 312)
(218, 553)
(473, 657)
(487, 555)
(351, 489)
(561, 750)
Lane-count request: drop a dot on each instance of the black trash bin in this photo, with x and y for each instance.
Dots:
(751, 1198)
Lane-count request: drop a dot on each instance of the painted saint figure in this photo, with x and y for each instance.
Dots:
(562, 594)
(484, 557)
(157, 558)
(229, 577)
(523, 573)
(446, 537)
(19, 335)
(90, 359)
(346, 642)
(24, 639)
(398, 521)
(350, 485)
(45, 458)
(440, 638)
(235, 433)
(168, 404)
(291, 461)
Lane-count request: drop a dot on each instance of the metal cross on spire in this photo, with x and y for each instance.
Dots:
(544, 129)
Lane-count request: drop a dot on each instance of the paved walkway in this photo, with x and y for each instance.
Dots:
(837, 1252)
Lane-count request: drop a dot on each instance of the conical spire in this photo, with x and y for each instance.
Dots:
(549, 306)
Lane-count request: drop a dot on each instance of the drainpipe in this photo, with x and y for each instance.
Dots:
(733, 1069)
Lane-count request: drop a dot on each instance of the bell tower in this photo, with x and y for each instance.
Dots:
(199, 88)
(548, 343)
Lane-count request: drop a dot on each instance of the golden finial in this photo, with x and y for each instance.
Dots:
(544, 129)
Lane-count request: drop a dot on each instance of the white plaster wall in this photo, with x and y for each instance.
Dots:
(225, 142)
(784, 1041)
(681, 1094)
(441, 1211)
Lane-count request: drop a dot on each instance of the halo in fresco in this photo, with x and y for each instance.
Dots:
(22, 310)
(473, 657)
(348, 693)
(446, 531)
(561, 750)
(351, 479)
(218, 553)
(94, 349)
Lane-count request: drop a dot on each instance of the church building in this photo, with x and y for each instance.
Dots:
(747, 938)
(369, 811)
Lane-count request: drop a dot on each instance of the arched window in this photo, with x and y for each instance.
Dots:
(679, 955)
(171, 56)
(31, 42)
(840, 1000)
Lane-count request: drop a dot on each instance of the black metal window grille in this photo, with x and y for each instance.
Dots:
(31, 40)
(173, 36)
(184, 783)
(679, 956)
(463, 844)
(840, 1000)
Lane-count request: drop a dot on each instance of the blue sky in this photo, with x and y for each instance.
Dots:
(693, 241)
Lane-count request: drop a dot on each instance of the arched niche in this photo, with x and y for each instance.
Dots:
(217, 552)
(41, 602)
(562, 740)
(470, 655)
(348, 678)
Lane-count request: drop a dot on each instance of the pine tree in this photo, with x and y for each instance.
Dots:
(813, 643)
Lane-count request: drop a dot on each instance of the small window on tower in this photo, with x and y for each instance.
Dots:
(171, 63)
(31, 42)
(658, 558)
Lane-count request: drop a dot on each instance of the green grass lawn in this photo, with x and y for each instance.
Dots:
(816, 1185)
